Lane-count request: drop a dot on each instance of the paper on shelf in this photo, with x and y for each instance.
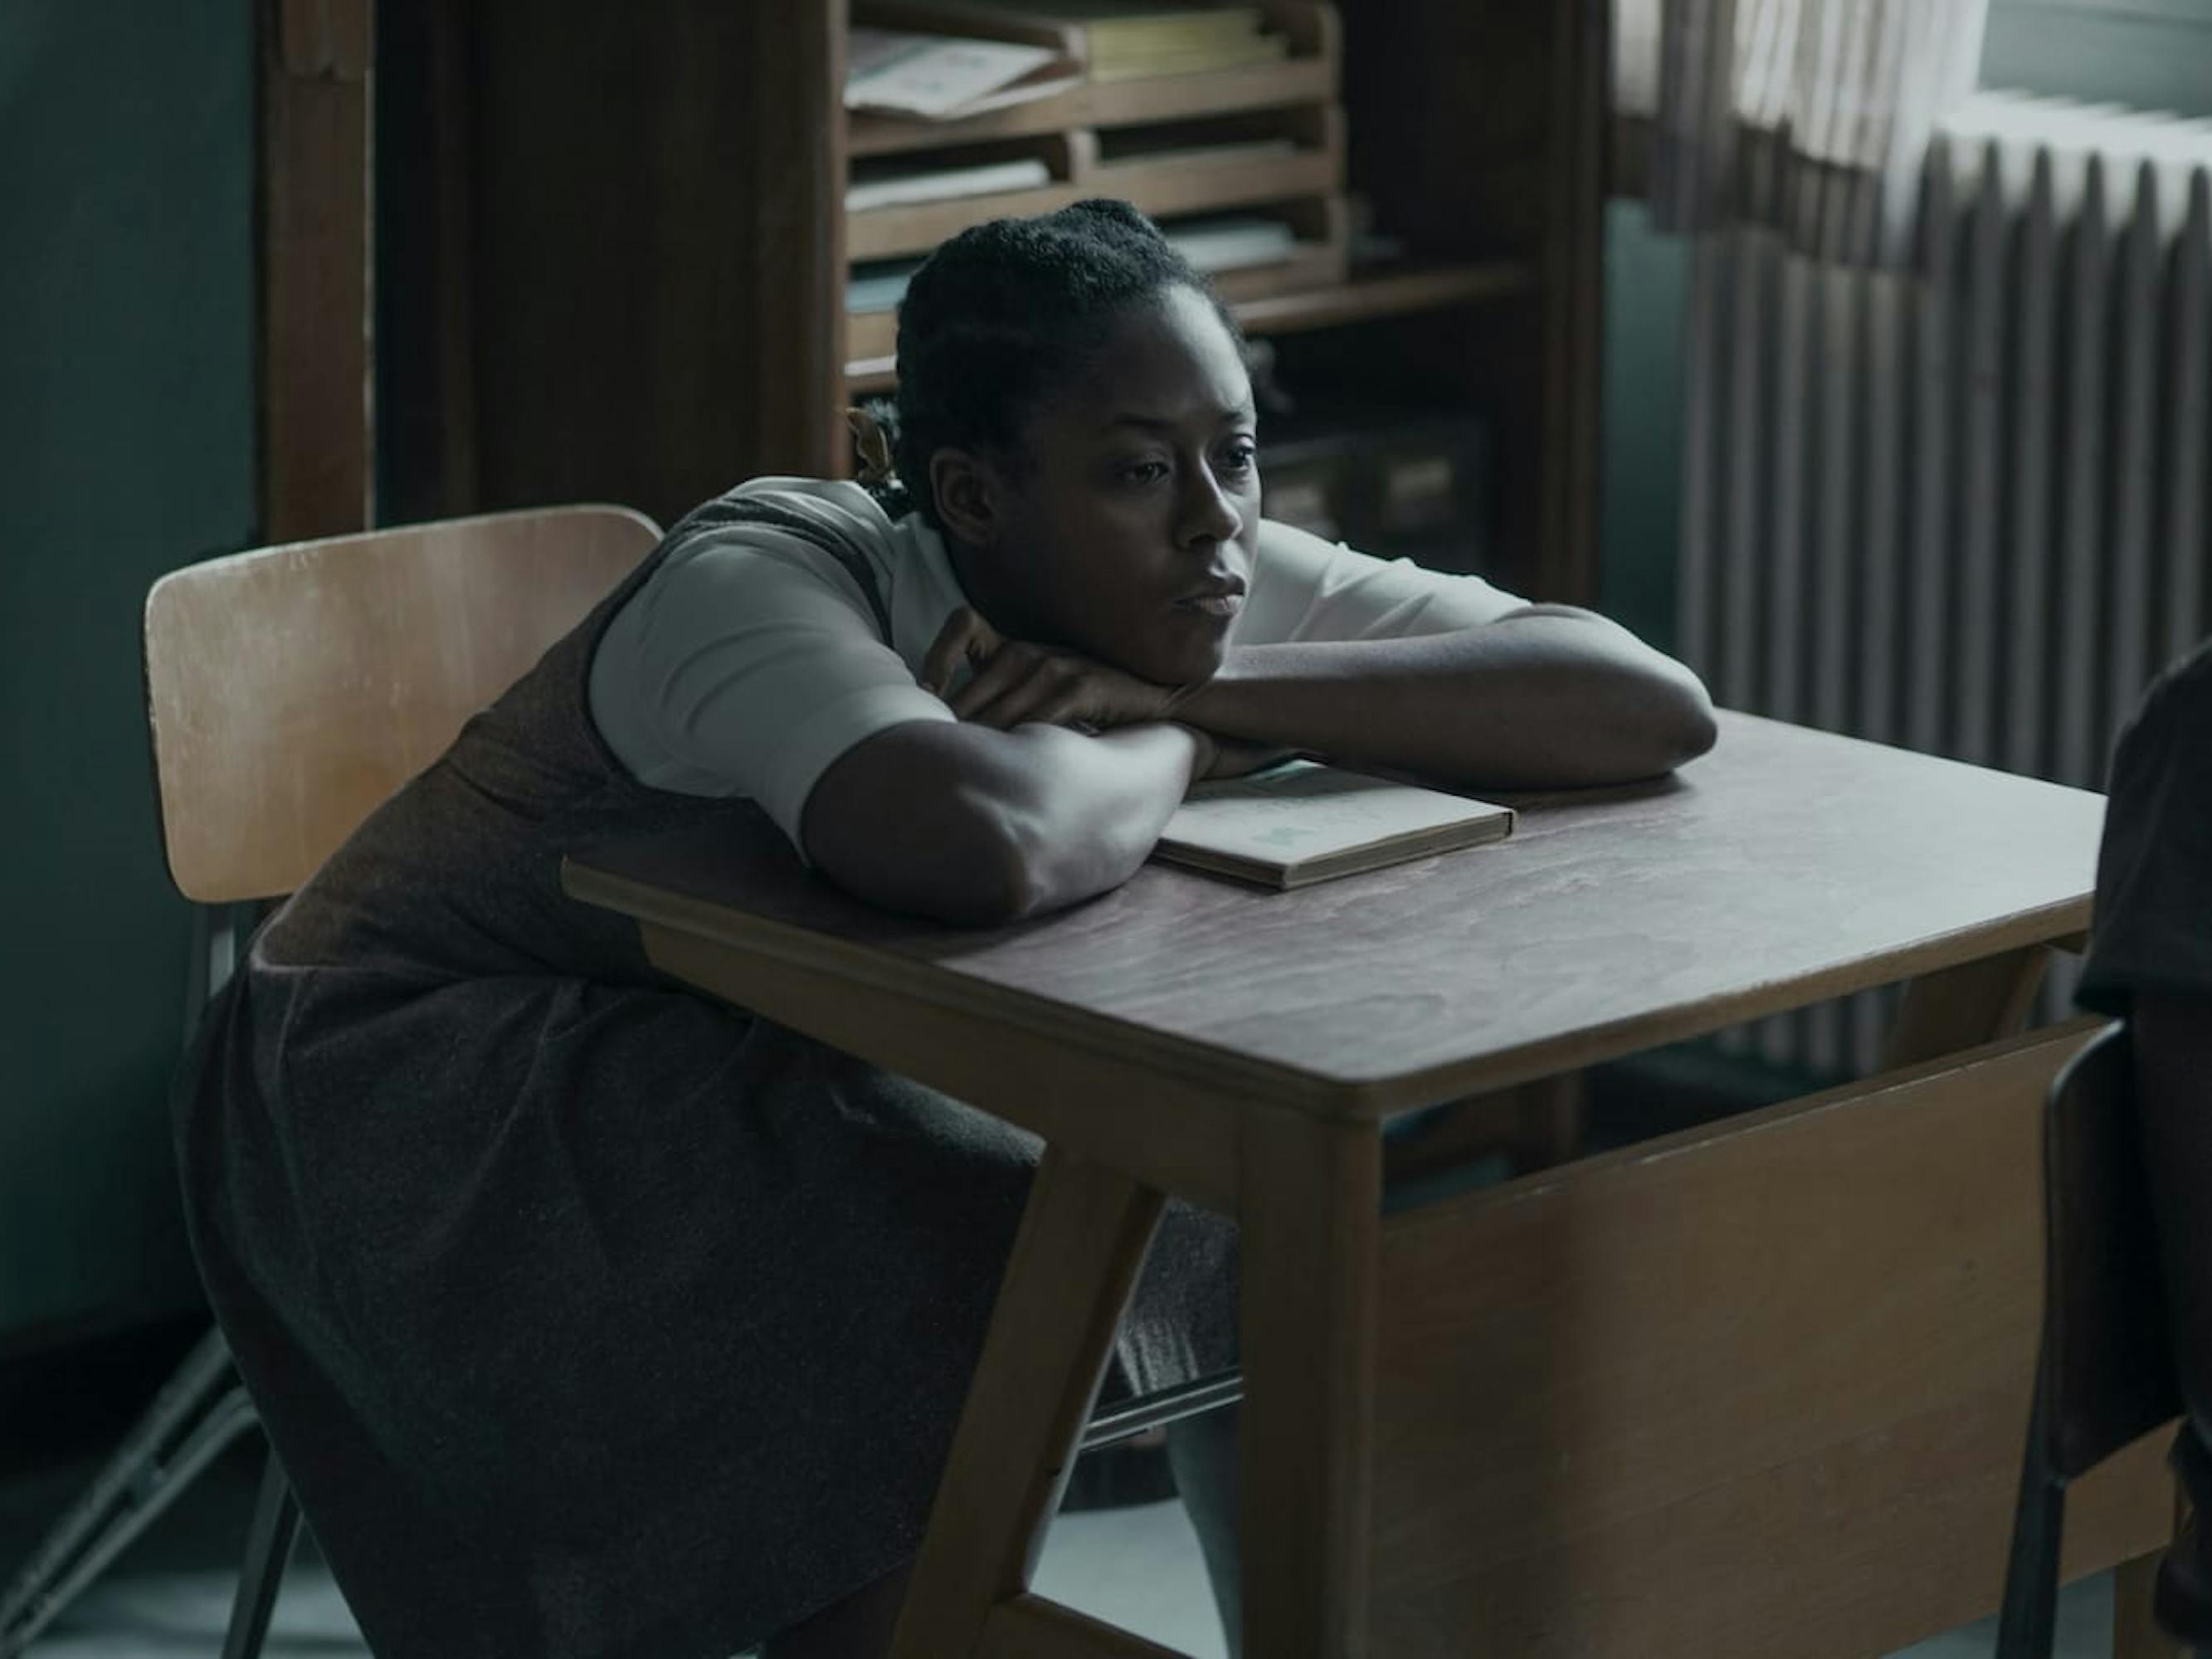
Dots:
(942, 77)
(946, 184)
(1230, 244)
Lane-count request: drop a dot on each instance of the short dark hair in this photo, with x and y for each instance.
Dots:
(1002, 313)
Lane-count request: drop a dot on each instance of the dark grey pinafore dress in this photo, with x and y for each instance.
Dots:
(589, 1316)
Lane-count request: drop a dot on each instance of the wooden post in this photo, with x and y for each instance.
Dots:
(2136, 1634)
(317, 475)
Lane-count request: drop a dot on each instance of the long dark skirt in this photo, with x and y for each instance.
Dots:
(599, 1320)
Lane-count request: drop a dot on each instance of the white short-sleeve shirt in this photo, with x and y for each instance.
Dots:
(752, 659)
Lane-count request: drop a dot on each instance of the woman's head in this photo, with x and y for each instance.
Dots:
(1075, 417)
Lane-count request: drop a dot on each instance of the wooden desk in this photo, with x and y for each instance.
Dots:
(1757, 1388)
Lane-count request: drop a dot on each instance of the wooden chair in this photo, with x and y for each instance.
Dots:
(289, 692)
(2105, 1373)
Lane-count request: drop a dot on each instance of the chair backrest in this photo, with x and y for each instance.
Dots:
(2108, 1365)
(291, 690)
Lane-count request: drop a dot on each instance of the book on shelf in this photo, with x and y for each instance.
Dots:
(908, 187)
(1302, 823)
(936, 77)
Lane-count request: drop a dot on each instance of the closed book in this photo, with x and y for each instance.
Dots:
(1302, 823)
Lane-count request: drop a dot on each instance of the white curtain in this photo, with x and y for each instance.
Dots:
(1811, 117)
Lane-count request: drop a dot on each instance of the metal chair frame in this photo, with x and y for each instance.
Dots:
(198, 1414)
(2092, 1147)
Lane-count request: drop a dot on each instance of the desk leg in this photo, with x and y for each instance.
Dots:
(1965, 1007)
(1310, 1217)
(1075, 1260)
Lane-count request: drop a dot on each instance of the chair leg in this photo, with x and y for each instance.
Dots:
(2137, 1633)
(268, 1552)
(2027, 1625)
(197, 1413)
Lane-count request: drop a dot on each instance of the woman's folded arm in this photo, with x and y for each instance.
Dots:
(1546, 697)
(974, 825)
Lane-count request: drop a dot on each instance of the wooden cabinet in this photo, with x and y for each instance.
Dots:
(614, 247)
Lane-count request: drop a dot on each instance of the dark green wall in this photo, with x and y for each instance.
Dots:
(126, 448)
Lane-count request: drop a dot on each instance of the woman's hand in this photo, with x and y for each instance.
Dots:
(1231, 758)
(1017, 683)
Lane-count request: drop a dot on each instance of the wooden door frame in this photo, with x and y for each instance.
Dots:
(315, 232)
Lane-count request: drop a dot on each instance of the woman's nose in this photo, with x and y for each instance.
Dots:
(1210, 513)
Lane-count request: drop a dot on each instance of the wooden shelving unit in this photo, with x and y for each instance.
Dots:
(1228, 175)
(633, 283)
(1307, 75)
(1360, 298)
(1386, 294)
(1265, 140)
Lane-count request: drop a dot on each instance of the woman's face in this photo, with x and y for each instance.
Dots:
(1127, 531)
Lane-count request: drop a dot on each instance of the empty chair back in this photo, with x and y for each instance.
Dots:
(291, 690)
(2108, 1369)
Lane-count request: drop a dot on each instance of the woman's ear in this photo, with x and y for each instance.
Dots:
(966, 492)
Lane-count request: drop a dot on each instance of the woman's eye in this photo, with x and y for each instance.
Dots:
(1144, 473)
(1241, 458)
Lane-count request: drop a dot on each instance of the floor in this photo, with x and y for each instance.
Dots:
(170, 1595)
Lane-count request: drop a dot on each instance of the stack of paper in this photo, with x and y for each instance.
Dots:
(1120, 39)
(1232, 243)
(943, 78)
(903, 188)
(879, 284)
(1131, 39)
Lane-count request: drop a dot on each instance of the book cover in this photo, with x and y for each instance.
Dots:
(1302, 823)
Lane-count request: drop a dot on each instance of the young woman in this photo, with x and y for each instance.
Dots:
(592, 1318)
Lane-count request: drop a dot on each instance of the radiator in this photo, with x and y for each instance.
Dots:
(1962, 509)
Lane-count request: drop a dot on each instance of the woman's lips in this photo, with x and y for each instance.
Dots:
(1214, 604)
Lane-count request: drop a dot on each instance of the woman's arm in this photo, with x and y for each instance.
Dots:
(1548, 696)
(973, 825)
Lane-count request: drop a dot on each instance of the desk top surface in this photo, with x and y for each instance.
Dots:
(1786, 866)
